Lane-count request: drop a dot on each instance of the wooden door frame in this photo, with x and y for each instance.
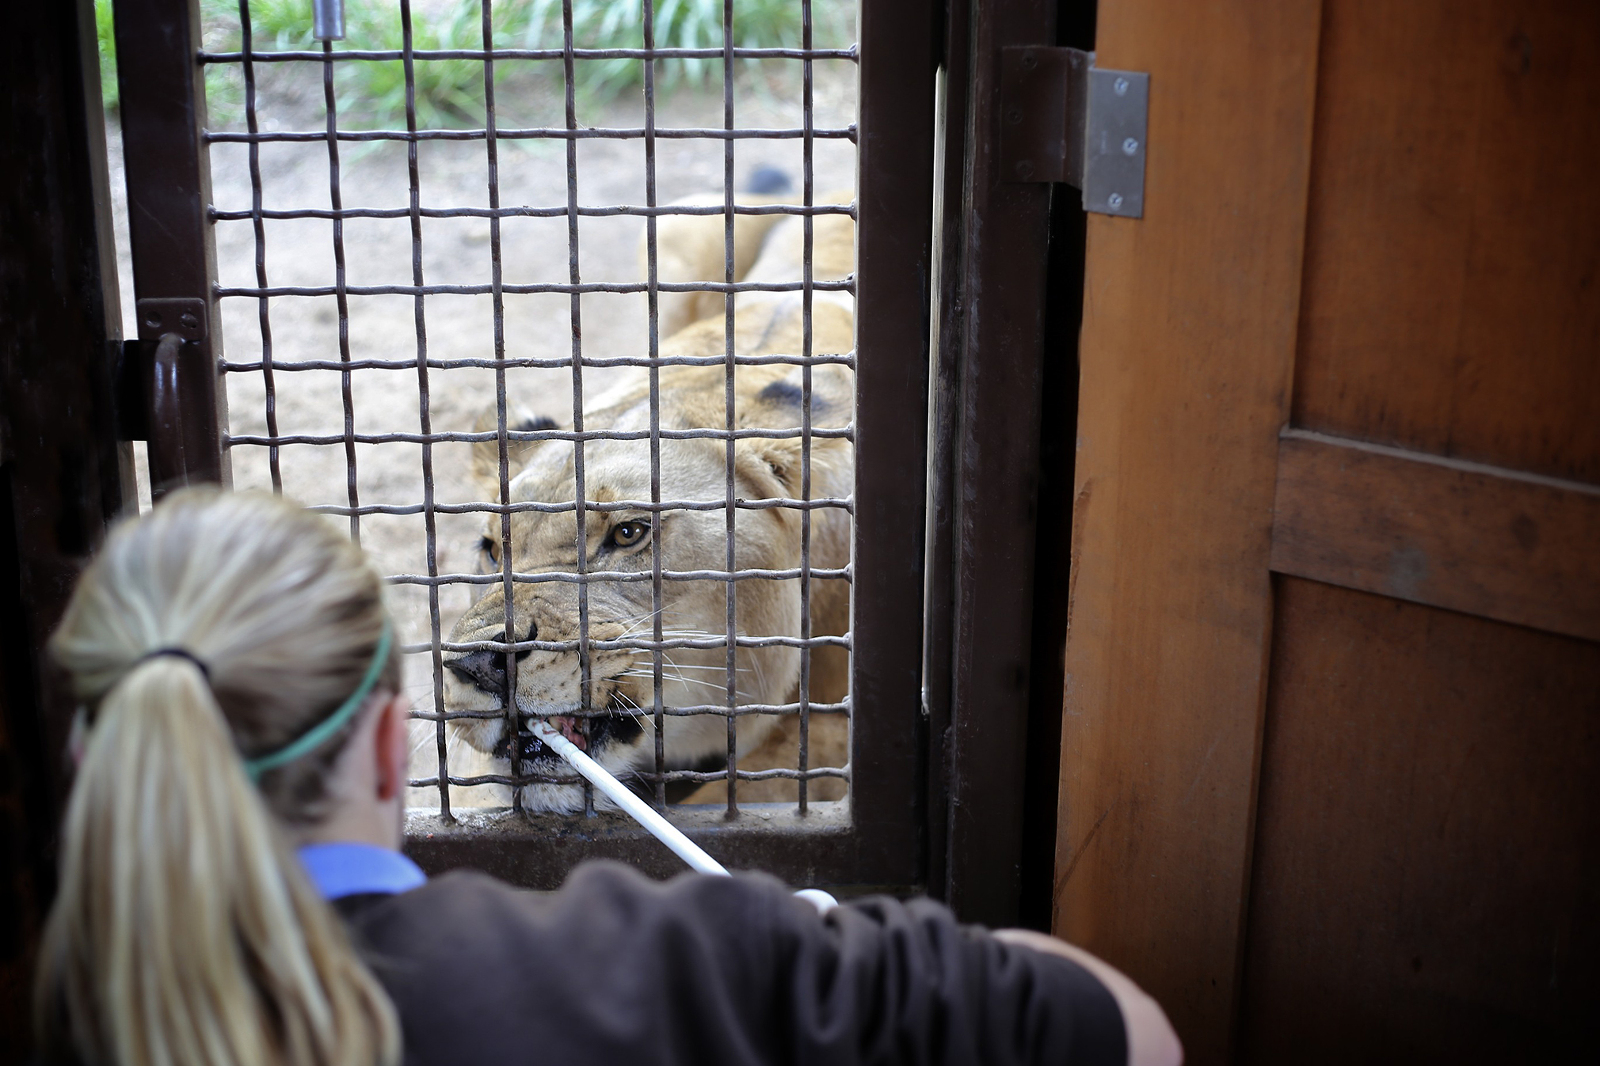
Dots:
(984, 429)
(63, 474)
(1001, 426)
(1187, 352)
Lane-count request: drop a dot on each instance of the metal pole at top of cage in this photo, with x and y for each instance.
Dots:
(327, 20)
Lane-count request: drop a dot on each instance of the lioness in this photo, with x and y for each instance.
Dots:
(617, 539)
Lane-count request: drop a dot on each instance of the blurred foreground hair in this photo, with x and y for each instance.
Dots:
(184, 931)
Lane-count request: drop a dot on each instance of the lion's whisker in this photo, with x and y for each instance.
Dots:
(697, 666)
(637, 714)
(739, 693)
(668, 675)
(761, 680)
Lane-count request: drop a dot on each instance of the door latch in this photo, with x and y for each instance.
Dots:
(166, 391)
(1064, 119)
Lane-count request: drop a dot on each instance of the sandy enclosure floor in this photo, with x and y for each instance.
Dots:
(455, 251)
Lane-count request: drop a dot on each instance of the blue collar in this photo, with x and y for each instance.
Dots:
(351, 869)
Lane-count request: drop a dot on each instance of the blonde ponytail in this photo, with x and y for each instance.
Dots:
(184, 931)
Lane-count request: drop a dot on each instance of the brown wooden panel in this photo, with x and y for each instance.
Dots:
(1443, 532)
(1427, 874)
(1188, 338)
(1453, 244)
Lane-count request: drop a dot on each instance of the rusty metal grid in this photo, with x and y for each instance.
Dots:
(347, 365)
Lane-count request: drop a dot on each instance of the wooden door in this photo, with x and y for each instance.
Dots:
(1331, 735)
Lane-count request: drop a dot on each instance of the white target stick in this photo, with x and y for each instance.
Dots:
(623, 796)
(644, 814)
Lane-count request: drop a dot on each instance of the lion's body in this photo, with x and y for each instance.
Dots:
(691, 469)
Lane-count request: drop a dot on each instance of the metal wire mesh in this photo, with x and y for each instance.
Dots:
(380, 428)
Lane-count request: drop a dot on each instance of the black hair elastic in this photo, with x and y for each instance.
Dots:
(205, 671)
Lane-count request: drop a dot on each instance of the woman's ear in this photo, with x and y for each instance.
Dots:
(391, 739)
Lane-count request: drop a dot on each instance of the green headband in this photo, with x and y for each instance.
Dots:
(317, 734)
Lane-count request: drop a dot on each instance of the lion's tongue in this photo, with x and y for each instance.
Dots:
(568, 728)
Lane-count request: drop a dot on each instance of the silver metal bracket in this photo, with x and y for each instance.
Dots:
(1066, 120)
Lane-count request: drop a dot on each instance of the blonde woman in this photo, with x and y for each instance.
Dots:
(232, 889)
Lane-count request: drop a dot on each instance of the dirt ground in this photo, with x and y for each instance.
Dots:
(454, 251)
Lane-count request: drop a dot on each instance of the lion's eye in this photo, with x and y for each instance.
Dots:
(488, 545)
(627, 534)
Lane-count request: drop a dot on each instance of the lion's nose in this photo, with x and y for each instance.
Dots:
(485, 669)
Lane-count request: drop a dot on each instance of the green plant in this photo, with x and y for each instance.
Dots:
(107, 42)
(678, 24)
(450, 91)
(275, 25)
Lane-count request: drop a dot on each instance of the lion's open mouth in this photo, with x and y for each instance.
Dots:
(590, 733)
(568, 727)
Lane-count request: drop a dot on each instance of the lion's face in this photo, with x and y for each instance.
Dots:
(619, 731)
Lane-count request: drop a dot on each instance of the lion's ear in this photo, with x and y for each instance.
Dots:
(772, 468)
(779, 405)
(486, 453)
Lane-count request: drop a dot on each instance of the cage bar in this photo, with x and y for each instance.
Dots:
(424, 414)
(643, 211)
(257, 216)
(341, 292)
(535, 133)
(728, 401)
(289, 366)
(428, 54)
(653, 336)
(570, 288)
(806, 250)
(497, 289)
(569, 81)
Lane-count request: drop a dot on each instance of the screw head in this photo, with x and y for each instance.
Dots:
(1121, 86)
(153, 321)
(1029, 61)
(1130, 146)
(1025, 169)
(1114, 200)
(1014, 115)
(189, 320)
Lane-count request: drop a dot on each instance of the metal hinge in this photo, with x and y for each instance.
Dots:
(139, 361)
(1066, 120)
